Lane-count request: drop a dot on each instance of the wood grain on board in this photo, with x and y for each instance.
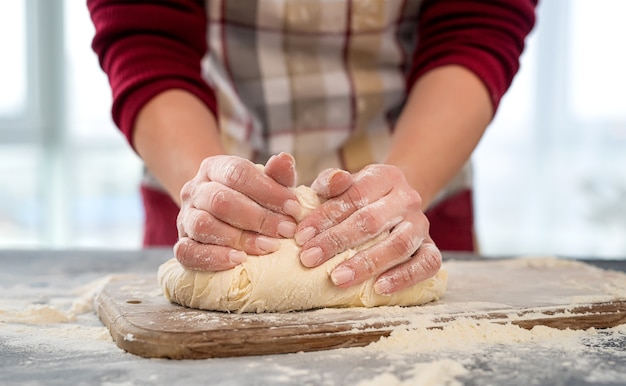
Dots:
(524, 292)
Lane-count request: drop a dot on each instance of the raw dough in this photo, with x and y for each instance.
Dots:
(278, 282)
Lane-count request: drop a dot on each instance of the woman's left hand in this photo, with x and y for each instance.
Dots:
(360, 207)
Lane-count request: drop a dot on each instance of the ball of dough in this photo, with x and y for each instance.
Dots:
(278, 282)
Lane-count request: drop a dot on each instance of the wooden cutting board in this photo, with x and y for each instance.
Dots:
(525, 292)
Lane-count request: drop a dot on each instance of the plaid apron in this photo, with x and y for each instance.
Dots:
(323, 80)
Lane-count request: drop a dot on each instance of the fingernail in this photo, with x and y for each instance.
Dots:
(311, 257)
(383, 286)
(282, 154)
(267, 244)
(342, 275)
(337, 174)
(304, 235)
(286, 229)
(237, 257)
(292, 208)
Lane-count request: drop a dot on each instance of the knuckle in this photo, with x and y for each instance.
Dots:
(209, 165)
(329, 215)
(181, 250)
(238, 172)
(374, 169)
(369, 266)
(201, 226)
(246, 243)
(411, 199)
(266, 223)
(393, 172)
(329, 218)
(425, 265)
(196, 221)
(218, 199)
(218, 202)
(187, 191)
(193, 255)
(206, 163)
(368, 222)
(180, 222)
(180, 227)
(357, 197)
(333, 241)
(404, 244)
(430, 259)
(410, 276)
(425, 220)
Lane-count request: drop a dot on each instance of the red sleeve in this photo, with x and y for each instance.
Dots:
(148, 47)
(486, 37)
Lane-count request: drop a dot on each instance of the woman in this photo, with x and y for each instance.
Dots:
(377, 104)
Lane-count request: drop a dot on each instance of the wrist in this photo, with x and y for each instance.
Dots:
(174, 132)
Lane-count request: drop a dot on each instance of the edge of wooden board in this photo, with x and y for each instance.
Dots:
(261, 338)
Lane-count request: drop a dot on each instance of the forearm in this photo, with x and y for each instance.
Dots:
(444, 118)
(173, 133)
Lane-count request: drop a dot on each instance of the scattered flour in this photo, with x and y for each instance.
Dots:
(87, 294)
(438, 373)
(64, 325)
(59, 338)
(37, 314)
(52, 313)
(465, 334)
(459, 344)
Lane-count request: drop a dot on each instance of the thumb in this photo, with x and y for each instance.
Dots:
(332, 182)
(282, 168)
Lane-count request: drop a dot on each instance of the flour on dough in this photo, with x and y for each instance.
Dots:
(278, 282)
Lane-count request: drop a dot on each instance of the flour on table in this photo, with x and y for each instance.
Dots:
(278, 282)
(64, 326)
(467, 334)
(50, 313)
(37, 314)
(438, 373)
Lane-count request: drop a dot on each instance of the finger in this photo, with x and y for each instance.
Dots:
(395, 249)
(422, 266)
(363, 225)
(243, 176)
(206, 257)
(240, 211)
(202, 227)
(282, 168)
(336, 210)
(331, 183)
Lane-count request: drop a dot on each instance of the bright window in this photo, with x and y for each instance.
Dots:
(13, 68)
(550, 172)
(68, 177)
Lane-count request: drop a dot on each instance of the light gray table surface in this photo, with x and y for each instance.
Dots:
(29, 356)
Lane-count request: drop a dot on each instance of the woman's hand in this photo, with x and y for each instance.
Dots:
(232, 208)
(359, 208)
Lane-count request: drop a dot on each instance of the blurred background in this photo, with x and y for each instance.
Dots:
(550, 174)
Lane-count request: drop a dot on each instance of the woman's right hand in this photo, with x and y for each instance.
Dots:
(231, 208)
